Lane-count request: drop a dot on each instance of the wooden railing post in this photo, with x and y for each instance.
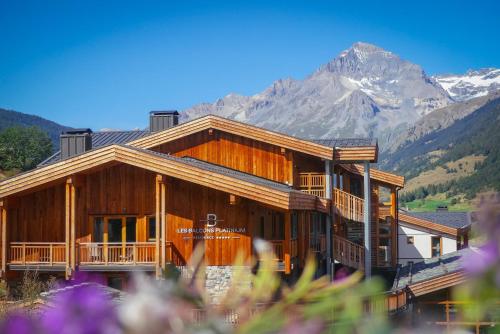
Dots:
(24, 253)
(134, 253)
(51, 260)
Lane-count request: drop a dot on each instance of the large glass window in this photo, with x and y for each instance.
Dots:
(114, 230)
(295, 225)
(152, 228)
(98, 229)
(130, 226)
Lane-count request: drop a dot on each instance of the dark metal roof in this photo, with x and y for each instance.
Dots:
(346, 142)
(164, 112)
(430, 269)
(101, 139)
(451, 219)
(220, 170)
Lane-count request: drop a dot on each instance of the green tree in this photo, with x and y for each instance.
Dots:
(22, 148)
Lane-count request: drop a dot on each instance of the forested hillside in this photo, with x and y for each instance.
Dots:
(11, 118)
(478, 134)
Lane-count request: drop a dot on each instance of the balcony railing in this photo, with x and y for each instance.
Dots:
(348, 206)
(117, 253)
(278, 247)
(348, 253)
(318, 244)
(37, 253)
(312, 183)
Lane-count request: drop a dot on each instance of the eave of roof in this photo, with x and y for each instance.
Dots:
(376, 174)
(432, 274)
(202, 173)
(414, 219)
(350, 153)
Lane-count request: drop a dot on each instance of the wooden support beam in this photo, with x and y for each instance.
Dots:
(73, 227)
(67, 220)
(3, 220)
(288, 236)
(158, 181)
(367, 220)
(394, 227)
(163, 226)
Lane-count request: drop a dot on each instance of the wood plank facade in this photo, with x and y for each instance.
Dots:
(145, 204)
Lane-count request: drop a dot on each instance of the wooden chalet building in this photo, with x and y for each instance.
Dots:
(115, 202)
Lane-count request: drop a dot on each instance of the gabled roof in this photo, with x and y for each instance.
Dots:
(376, 174)
(449, 222)
(432, 274)
(188, 169)
(104, 138)
(348, 153)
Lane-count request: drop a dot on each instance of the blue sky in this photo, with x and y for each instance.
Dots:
(107, 63)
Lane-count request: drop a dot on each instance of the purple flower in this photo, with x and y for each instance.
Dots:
(478, 261)
(18, 323)
(341, 274)
(82, 309)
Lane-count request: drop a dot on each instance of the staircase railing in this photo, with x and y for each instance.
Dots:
(348, 253)
(348, 206)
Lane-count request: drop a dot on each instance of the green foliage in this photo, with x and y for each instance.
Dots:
(23, 148)
(10, 118)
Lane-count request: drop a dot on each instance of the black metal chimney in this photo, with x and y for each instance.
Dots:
(74, 142)
(162, 120)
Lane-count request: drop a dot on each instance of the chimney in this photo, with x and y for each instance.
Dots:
(162, 120)
(75, 142)
(441, 208)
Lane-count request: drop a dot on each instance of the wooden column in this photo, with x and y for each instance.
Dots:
(163, 226)
(329, 218)
(394, 227)
(67, 220)
(159, 178)
(73, 226)
(288, 236)
(3, 220)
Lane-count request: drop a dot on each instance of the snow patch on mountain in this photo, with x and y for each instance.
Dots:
(474, 83)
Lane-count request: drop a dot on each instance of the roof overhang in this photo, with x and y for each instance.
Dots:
(427, 224)
(437, 283)
(347, 154)
(376, 174)
(292, 199)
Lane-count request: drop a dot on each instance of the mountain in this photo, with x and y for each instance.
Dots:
(472, 84)
(438, 119)
(364, 91)
(475, 135)
(9, 118)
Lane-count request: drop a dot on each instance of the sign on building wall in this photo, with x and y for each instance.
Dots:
(211, 230)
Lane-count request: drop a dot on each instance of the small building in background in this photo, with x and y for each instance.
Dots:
(424, 235)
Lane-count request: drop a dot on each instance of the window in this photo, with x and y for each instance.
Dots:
(278, 226)
(152, 228)
(295, 225)
(130, 226)
(435, 246)
(410, 240)
(98, 229)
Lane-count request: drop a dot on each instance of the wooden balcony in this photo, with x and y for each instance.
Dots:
(131, 253)
(348, 206)
(349, 253)
(313, 183)
(37, 253)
